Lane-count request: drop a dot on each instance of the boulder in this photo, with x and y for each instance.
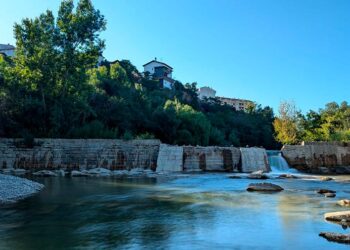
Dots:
(76, 173)
(259, 175)
(45, 173)
(287, 176)
(323, 191)
(344, 203)
(338, 216)
(234, 177)
(99, 172)
(264, 187)
(326, 178)
(336, 237)
(329, 195)
(18, 171)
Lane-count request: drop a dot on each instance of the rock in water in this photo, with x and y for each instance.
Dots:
(323, 191)
(45, 173)
(326, 178)
(329, 195)
(287, 176)
(264, 187)
(335, 237)
(338, 216)
(99, 172)
(344, 203)
(76, 173)
(258, 175)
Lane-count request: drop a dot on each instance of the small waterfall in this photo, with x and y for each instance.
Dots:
(277, 163)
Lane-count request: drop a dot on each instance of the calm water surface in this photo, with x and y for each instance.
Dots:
(206, 211)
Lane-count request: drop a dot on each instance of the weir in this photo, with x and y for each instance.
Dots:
(277, 163)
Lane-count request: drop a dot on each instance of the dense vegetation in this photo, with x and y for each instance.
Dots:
(329, 124)
(53, 88)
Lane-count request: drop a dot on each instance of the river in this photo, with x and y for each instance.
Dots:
(202, 211)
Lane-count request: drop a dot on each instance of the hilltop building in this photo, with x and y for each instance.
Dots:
(7, 49)
(206, 92)
(159, 71)
(237, 104)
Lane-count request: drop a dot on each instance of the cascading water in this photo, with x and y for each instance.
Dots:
(277, 163)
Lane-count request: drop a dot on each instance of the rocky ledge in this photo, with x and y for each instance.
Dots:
(14, 188)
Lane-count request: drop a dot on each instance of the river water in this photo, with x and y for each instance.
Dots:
(202, 211)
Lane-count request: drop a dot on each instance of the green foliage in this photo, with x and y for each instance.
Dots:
(53, 88)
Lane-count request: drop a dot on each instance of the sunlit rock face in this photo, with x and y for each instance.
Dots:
(170, 158)
(254, 159)
(80, 154)
(319, 157)
(211, 158)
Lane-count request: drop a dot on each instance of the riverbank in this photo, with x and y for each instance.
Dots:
(14, 188)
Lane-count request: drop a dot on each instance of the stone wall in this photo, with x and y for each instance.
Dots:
(211, 158)
(254, 159)
(170, 158)
(79, 154)
(319, 157)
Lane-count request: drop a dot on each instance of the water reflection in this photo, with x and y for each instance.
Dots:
(198, 212)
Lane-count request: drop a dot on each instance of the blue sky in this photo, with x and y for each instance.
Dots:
(263, 50)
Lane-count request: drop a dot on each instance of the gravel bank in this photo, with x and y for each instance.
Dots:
(14, 188)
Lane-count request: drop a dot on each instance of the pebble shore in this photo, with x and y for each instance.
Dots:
(14, 188)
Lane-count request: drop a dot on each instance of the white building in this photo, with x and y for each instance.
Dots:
(159, 71)
(237, 104)
(206, 92)
(7, 49)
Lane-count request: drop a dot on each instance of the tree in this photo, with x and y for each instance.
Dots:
(285, 124)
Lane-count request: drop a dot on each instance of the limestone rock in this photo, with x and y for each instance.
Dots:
(336, 237)
(99, 172)
(338, 216)
(258, 175)
(329, 195)
(18, 171)
(264, 187)
(76, 173)
(326, 178)
(287, 176)
(345, 203)
(323, 191)
(45, 173)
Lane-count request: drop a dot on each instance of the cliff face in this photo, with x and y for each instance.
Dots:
(79, 154)
(319, 157)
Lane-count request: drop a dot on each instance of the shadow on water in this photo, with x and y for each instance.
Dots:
(200, 211)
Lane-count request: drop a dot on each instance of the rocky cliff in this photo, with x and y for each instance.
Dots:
(319, 157)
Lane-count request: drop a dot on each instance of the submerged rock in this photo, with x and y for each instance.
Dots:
(329, 195)
(336, 237)
(324, 191)
(264, 187)
(338, 216)
(235, 177)
(45, 173)
(344, 203)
